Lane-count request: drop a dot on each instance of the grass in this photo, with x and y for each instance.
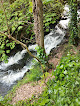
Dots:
(60, 92)
(32, 76)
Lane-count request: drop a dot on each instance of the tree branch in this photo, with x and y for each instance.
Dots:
(22, 44)
(10, 37)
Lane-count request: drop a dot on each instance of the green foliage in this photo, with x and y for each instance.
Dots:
(64, 90)
(20, 20)
(5, 46)
(2, 47)
(79, 31)
(41, 55)
(52, 12)
(17, 15)
(22, 103)
(73, 22)
(1, 98)
(20, 13)
(34, 74)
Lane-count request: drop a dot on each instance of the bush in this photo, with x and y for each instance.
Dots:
(20, 21)
(64, 90)
(34, 74)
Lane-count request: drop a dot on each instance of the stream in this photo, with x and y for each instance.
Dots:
(19, 63)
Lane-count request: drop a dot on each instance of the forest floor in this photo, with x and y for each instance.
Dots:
(26, 91)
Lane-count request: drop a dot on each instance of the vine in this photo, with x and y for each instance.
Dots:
(73, 22)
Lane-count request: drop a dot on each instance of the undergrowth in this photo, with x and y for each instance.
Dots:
(64, 90)
(33, 75)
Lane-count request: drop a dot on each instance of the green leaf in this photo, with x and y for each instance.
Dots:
(8, 44)
(47, 30)
(30, 7)
(20, 27)
(7, 51)
(2, 51)
(44, 101)
(53, 22)
(65, 72)
(48, 19)
(61, 67)
(46, 24)
(77, 83)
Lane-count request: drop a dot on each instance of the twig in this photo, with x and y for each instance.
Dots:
(30, 40)
(17, 41)
(25, 46)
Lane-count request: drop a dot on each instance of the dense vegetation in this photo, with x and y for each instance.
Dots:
(64, 89)
(73, 22)
(20, 22)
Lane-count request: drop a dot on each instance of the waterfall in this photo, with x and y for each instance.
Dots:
(19, 64)
(56, 36)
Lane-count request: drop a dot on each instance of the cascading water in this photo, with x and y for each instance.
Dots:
(15, 69)
(19, 64)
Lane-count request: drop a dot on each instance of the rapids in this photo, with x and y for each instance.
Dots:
(19, 64)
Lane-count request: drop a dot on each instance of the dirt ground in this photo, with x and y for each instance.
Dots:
(27, 90)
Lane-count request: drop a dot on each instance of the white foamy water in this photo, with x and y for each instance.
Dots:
(50, 41)
(32, 47)
(65, 13)
(66, 9)
(11, 75)
(56, 36)
(14, 76)
(13, 60)
(78, 14)
(64, 23)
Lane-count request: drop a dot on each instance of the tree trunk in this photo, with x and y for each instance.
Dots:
(38, 22)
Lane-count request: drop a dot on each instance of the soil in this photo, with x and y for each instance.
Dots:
(27, 90)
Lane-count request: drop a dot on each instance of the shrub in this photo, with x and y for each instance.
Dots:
(64, 90)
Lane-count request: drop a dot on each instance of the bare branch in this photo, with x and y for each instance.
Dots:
(17, 41)
(25, 46)
(30, 40)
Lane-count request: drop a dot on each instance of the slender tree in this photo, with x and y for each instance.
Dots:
(38, 29)
(38, 22)
(14, 39)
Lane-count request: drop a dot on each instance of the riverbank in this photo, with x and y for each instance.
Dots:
(28, 89)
